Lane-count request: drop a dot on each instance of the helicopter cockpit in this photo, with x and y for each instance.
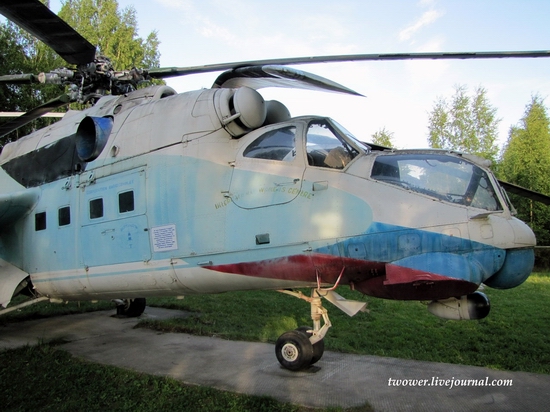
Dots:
(325, 148)
(448, 178)
(325, 145)
(455, 178)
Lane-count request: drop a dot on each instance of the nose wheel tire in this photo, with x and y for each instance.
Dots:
(318, 348)
(294, 351)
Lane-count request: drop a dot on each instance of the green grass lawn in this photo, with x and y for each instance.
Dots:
(513, 337)
(44, 378)
(46, 309)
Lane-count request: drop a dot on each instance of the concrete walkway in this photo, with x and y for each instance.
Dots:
(337, 380)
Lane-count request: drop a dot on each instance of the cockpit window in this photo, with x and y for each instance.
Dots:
(445, 177)
(364, 146)
(279, 144)
(326, 149)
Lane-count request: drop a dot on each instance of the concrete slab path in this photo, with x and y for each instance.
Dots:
(343, 380)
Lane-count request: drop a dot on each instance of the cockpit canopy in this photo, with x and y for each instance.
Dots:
(449, 177)
(445, 177)
(326, 145)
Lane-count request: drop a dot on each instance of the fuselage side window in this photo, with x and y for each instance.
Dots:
(278, 144)
(40, 221)
(96, 208)
(64, 216)
(126, 201)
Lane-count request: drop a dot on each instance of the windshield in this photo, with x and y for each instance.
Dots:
(447, 178)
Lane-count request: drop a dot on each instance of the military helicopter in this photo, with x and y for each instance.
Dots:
(153, 193)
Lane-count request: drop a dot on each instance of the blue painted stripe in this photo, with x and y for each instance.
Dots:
(450, 256)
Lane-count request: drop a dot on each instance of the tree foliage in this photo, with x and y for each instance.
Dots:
(383, 137)
(22, 53)
(465, 124)
(113, 32)
(525, 161)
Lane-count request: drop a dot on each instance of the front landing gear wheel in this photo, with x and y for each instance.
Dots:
(294, 350)
(318, 347)
(131, 308)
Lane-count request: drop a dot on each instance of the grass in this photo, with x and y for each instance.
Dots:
(48, 379)
(46, 309)
(513, 337)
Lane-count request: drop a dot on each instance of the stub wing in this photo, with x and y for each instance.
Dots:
(10, 278)
(13, 206)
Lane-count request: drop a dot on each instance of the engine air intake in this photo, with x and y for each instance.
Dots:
(91, 137)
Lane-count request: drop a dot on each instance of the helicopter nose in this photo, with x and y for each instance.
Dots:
(523, 235)
(517, 267)
(519, 260)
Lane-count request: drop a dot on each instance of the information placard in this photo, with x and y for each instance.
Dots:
(164, 238)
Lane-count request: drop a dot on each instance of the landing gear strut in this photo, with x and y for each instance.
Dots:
(301, 348)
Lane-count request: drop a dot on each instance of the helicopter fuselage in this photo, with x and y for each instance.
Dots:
(156, 193)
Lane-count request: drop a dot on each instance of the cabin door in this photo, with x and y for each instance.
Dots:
(114, 221)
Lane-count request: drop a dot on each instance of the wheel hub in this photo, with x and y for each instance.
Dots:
(290, 352)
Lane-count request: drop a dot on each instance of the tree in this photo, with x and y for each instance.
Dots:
(114, 32)
(22, 53)
(525, 161)
(466, 124)
(383, 137)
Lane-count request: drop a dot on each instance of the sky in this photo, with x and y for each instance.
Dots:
(399, 94)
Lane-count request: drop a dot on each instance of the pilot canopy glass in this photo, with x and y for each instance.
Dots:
(446, 178)
(326, 148)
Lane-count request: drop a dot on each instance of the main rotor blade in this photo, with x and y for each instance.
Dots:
(528, 193)
(41, 22)
(181, 71)
(19, 78)
(33, 114)
(257, 77)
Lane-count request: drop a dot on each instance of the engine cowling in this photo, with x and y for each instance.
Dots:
(473, 306)
(240, 110)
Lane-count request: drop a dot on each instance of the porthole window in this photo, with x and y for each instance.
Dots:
(40, 221)
(64, 216)
(126, 201)
(96, 208)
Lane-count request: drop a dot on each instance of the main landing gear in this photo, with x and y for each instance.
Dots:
(131, 308)
(300, 348)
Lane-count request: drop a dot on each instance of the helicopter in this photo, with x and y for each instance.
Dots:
(149, 192)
